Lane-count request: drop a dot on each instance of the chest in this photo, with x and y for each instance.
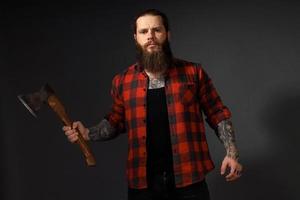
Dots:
(179, 89)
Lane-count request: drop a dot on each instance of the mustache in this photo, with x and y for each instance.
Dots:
(151, 43)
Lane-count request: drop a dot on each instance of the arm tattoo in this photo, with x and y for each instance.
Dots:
(102, 131)
(226, 135)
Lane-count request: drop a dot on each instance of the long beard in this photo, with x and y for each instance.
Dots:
(157, 61)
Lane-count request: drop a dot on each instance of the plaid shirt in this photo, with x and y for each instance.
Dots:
(189, 92)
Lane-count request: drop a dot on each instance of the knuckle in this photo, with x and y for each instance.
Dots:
(73, 139)
(69, 132)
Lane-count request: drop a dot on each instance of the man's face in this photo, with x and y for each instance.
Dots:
(150, 33)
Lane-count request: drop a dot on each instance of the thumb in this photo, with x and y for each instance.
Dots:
(74, 125)
(223, 167)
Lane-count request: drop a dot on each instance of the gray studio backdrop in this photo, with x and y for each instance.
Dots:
(251, 50)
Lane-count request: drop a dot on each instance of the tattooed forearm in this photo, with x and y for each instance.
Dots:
(226, 135)
(102, 131)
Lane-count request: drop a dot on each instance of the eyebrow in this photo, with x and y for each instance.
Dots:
(156, 27)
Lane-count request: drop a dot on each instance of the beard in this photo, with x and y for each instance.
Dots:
(157, 61)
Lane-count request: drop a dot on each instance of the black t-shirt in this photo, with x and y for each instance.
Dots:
(159, 150)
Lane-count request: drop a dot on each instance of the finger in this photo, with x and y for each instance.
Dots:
(73, 138)
(238, 173)
(75, 125)
(66, 128)
(234, 177)
(232, 172)
(79, 124)
(223, 167)
(239, 170)
(236, 169)
(80, 127)
(70, 132)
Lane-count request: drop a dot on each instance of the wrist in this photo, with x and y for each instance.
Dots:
(233, 155)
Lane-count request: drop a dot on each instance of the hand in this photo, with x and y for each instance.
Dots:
(235, 168)
(72, 134)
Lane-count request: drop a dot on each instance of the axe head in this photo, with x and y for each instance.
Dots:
(34, 101)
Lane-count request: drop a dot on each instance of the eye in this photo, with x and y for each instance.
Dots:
(158, 30)
(143, 31)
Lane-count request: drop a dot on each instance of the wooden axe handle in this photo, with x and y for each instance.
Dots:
(59, 109)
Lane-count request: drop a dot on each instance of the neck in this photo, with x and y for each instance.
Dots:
(154, 75)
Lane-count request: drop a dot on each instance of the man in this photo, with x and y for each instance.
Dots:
(159, 103)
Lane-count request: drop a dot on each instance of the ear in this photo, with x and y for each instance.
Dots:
(134, 36)
(169, 36)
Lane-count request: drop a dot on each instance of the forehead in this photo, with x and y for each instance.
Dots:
(148, 21)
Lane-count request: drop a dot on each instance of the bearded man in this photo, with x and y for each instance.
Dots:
(159, 102)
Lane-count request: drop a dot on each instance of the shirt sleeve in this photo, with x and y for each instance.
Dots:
(210, 100)
(116, 116)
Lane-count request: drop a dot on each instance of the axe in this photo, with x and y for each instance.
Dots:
(34, 101)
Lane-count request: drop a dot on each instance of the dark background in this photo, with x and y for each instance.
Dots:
(250, 49)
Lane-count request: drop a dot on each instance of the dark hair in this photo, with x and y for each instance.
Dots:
(152, 12)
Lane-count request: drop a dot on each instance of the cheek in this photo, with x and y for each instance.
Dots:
(140, 40)
(161, 37)
(141, 36)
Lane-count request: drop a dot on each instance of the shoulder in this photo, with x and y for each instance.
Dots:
(188, 66)
(118, 78)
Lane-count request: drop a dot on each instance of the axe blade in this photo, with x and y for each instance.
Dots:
(34, 101)
(22, 98)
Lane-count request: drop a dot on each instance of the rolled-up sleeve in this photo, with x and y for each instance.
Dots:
(211, 103)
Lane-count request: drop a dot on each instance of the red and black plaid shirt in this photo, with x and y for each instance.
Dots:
(189, 92)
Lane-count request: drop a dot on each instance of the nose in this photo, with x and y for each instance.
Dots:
(150, 35)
